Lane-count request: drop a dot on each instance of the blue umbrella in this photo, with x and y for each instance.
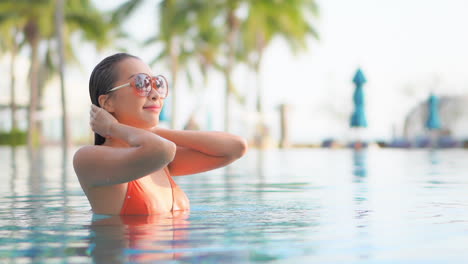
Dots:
(163, 116)
(433, 120)
(358, 119)
(360, 165)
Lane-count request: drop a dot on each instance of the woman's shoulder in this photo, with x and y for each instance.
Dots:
(82, 153)
(87, 159)
(85, 150)
(87, 153)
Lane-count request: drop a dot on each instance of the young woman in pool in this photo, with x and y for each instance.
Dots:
(128, 169)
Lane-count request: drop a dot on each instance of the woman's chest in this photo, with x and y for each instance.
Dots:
(159, 190)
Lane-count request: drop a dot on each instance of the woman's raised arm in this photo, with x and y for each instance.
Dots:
(102, 165)
(199, 151)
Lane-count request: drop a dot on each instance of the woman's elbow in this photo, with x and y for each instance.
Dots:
(162, 153)
(170, 149)
(240, 148)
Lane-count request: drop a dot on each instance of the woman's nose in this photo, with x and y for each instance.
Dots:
(154, 94)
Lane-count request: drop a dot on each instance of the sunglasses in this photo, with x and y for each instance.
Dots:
(143, 83)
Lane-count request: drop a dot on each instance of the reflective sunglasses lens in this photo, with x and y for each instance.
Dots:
(161, 85)
(143, 84)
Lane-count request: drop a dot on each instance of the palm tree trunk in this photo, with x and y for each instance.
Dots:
(32, 32)
(231, 38)
(284, 117)
(174, 71)
(14, 125)
(59, 22)
(259, 136)
(40, 106)
(259, 105)
(227, 107)
(258, 63)
(262, 132)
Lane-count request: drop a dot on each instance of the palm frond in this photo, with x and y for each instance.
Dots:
(162, 55)
(151, 40)
(123, 11)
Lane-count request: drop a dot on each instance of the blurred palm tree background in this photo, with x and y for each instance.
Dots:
(215, 35)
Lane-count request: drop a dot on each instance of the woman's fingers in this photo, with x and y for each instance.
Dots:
(95, 111)
(100, 120)
(92, 111)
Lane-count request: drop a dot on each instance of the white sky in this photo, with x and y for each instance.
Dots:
(405, 48)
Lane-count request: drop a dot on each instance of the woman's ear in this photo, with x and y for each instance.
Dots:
(106, 103)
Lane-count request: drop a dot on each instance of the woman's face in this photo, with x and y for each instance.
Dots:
(129, 108)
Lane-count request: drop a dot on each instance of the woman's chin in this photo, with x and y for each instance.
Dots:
(144, 123)
(152, 123)
(155, 124)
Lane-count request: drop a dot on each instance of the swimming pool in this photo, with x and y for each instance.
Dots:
(275, 206)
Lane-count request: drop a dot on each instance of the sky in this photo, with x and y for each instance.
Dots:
(406, 50)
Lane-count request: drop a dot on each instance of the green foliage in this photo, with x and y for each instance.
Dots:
(35, 21)
(13, 138)
(213, 34)
(266, 20)
(81, 17)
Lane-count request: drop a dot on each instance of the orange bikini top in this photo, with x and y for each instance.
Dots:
(138, 201)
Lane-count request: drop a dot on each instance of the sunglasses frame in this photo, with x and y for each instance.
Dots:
(133, 85)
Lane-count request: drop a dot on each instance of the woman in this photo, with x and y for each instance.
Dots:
(128, 170)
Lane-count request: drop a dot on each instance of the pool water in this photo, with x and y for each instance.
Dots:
(273, 206)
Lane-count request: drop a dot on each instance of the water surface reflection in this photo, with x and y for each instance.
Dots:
(122, 239)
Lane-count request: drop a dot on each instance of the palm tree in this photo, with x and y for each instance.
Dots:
(172, 28)
(232, 27)
(201, 44)
(216, 44)
(9, 43)
(36, 19)
(195, 30)
(227, 9)
(187, 33)
(269, 19)
(96, 27)
(59, 28)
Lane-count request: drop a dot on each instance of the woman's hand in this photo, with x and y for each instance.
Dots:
(101, 121)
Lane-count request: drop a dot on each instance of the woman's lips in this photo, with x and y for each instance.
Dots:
(152, 108)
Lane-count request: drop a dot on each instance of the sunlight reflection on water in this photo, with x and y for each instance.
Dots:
(282, 206)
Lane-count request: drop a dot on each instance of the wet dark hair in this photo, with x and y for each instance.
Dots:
(102, 79)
